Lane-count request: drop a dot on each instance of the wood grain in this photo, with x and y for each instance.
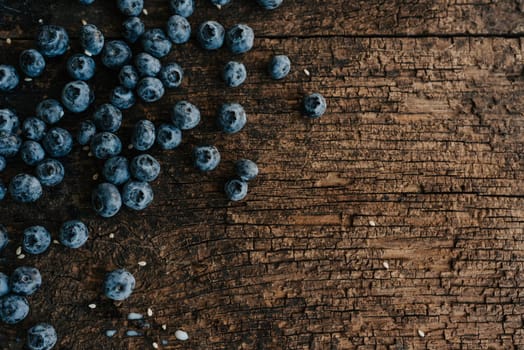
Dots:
(417, 164)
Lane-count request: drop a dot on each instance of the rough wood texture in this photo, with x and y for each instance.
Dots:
(417, 167)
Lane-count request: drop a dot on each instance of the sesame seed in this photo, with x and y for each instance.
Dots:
(145, 12)
(129, 146)
(421, 333)
(8, 41)
(372, 223)
(149, 312)
(55, 241)
(84, 22)
(155, 345)
(18, 251)
(41, 21)
(219, 7)
(110, 332)
(164, 326)
(95, 176)
(111, 235)
(92, 306)
(85, 148)
(386, 265)
(21, 256)
(181, 335)
(28, 79)
(142, 263)
(306, 72)
(88, 53)
(90, 154)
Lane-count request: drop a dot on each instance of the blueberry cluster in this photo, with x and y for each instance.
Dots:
(236, 189)
(145, 76)
(24, 281)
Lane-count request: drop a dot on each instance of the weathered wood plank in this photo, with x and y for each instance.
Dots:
(418, 164)
(295, 18)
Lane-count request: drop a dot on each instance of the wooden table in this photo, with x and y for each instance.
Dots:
(393, 222)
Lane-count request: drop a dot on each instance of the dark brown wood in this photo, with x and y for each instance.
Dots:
(393, 222)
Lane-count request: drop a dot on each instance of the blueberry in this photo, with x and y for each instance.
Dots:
(86, 132)
(9, 121)
(25, 188)
(50, 111)
(137, 195)
(36, 240)
(32, 63)
(3, 190)
(25, 280)
(206, 157)
(107, 118)
(239, 38)
(105, 145)
(130, 7)
(270, 4)
(168, 136)
(314, 105)
(147, 65)
(58, 142)
(220, 3)
(156, 43)
(4, 284)
(231, 118)
(13, 308)
(9, 144)
(119, 284)
(81, 67)
(86, 2)
(128, 77)
(178, 29)
(8, 78)
(234, 74)
(143, 136)
(106, 200)
(77, 96)
(246, 169)
(3, 163)
(236, 189)
(210, 35)
(4, 239)
(32, 152)
(50, 172)
(33, 128)
(185, 115)
(144, 168)
(184, 8)
(73, 234)
(150, 89)
(122, 97)
(42, 336)
(52, 40)
(91, 39)
(279, 67)
(115, 54)
(116, 170)
(171, 75)
(132, 29)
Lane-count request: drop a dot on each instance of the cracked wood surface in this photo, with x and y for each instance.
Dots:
(397, 214)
